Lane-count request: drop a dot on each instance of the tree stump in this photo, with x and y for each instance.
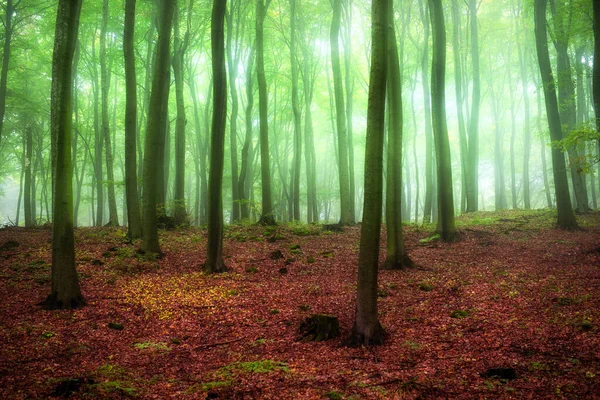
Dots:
(319, 327)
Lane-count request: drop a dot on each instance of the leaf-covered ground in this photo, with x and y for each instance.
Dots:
(513, 293)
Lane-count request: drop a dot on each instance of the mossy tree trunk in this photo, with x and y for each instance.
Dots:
(134, 218)
(267, 215)
(65, 292)
(154, 129)
(214, 257)
(396, 254)
(566, 217)
(367, 330)
(446, 226)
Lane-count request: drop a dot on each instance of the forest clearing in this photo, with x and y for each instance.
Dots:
(511, 310)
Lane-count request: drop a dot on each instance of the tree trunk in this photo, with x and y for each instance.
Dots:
(214, 254)
(340, 113)
(267, 216)
(446, 226)
(134, 219)
(233, 61)
(473, 142)
(458, 87)
(98, 141)
(566, 217)
(8, 31)
(523, 54)
(349, 83)
(429, 189)
(367, 330)
(27, 209)
(154, 127)
(396, 255)
(65, 292)
(245, 179)
(297, 116)
(113, 219)
(179, 48)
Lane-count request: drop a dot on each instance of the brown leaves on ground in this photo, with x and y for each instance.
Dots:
(513, 295)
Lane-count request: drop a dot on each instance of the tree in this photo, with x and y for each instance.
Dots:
(134, 219)
(180, 46)
(396, 254)
(367, 330)
(113, 218)
(596, 67)
(446, 226)
(65, 292)
(214, 248)
(297, 116)
(566, 217)
(154, 128)
(9, 9)
(472, 185)
(245, 179)
(267, 216)
(346, 216)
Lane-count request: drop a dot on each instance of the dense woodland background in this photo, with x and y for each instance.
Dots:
(499, 138)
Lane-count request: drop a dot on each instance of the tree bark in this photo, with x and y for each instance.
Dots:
(113, 219)
(473, 140)
(8, 31)
(297, 115)
(367, 330)
(267, 215)
(446, 226)
(154, 127)
(566, 217)
(340, 113)
(214, 249)
(245, 179)
(134, 219)
(65, 292)
(396, 255)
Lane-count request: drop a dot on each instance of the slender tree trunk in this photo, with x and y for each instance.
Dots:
(245, 179)
(513, 133)
(349, 83)
(429, 189)
(134, 219)
(446, 226)
(396, 255)
(267, 216)
(473, 142)
(367, 330)
(154, 127)
(458, 87)
(297, 115)
(180, 46)
(233, 61)
(8, 31)
(113, 218)
(98, 141)
(523, 53)
(340, 113)
(214, 249)
(65, 292)
(566, 217)
(27, 209)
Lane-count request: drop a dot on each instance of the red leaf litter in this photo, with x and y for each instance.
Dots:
(511, 310)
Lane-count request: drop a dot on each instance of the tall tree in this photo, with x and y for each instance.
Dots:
(267, 216)
(245, 179)
(446, 226)
(214, 248)
(233, 57)
(396, 254)
(367, 330)
(9, 9)
(596, 70)
(473, 140)
(180, 46)
(154, 127)
(134, 219)
(297, 115)
(349, 84)
(113, 218)
(346, 216)
(566, 217)
(65, 292)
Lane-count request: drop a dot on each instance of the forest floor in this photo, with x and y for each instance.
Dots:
(512, 310)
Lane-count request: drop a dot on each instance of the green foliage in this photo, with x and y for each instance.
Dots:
(334, 395)
(426, 286)
(459, 314)
(254, 367)
(432, 238)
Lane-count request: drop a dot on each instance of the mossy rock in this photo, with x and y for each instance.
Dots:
(319, 327)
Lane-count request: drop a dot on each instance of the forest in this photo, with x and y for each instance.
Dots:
(334, 199)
